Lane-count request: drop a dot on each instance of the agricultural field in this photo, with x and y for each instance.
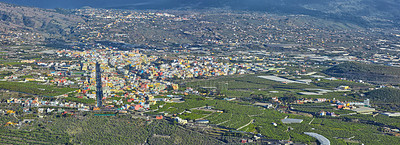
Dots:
(195, 114)
(81, 100)
(314, 108)
(244, 117)
(250, 86)
(34, 88)
(10, 63)
(394, 122)
(91, 129)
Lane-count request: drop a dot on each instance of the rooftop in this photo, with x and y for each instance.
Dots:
(323, 140)
(364, 110)
(290, 120)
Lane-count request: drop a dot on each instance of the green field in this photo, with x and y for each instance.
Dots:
(380, 74)
(90, 129)
(10, 63)
(79, 100)
(34, 88)
(250, 86)
(238, 114)
(317, 107)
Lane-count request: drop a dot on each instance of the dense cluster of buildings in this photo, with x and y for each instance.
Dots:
(29, 103)
(140, 77)
(119, 59)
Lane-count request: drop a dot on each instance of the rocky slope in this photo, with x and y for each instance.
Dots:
(36, 20)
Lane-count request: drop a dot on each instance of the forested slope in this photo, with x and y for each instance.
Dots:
(367, 72)
(385, 95)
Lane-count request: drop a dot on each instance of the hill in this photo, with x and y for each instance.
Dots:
(19, 18)
(367, 72)
(362, 12)
(385, 95)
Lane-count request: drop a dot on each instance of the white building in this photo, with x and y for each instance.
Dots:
(390, 114)
(180, 120)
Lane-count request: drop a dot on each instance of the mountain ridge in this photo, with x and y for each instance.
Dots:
(14, 17)
(368, 13)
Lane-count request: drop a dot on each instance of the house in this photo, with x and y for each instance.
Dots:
(159, 117)
(320, 100)
(229, 99)
(286, 142)
(203, 121)
(26, 110)
(266, 105)
(322, 113)
(137, 107)
(11, 123)
(28, 120)
(339, 106)
(49, 110)
(343, 88)
(243, 141)
(181, 121)
(275, 99)
(331, 114)
(10, 112)
(40, 110)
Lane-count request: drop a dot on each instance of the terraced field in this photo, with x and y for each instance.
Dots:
(8, 136)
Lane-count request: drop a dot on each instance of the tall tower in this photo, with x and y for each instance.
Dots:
(99, 89)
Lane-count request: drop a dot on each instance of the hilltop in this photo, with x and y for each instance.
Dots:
(367, 72)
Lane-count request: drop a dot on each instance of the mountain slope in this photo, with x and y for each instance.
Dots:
(362, 12)
(35, 19)
(385, 95)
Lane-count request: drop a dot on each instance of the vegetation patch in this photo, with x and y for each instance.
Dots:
(385, 95)
(34, 88)
(367, 72)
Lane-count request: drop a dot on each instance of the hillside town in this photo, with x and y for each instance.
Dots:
(230, 77)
